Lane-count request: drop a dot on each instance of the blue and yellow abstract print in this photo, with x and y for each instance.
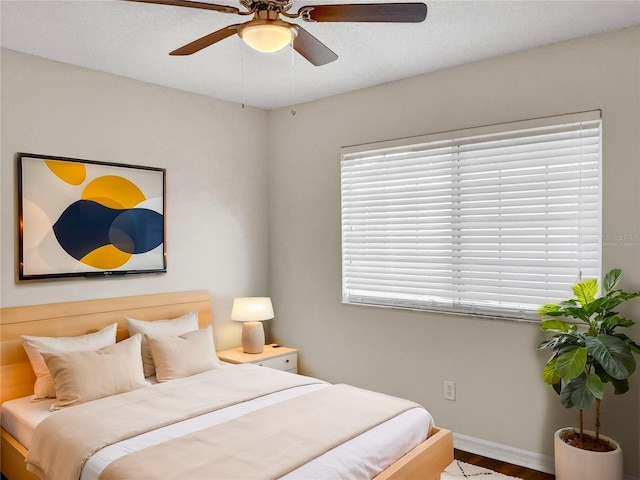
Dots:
(87, 217)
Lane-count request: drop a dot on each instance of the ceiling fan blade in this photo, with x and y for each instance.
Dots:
(192, 4)
(365, 12)
(312, 49)
(206, 41)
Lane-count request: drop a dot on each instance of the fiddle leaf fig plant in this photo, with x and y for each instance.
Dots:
(587, 350)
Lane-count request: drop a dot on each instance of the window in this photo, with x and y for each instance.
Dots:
(491, 221)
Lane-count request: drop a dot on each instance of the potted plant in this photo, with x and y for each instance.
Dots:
(588, 352)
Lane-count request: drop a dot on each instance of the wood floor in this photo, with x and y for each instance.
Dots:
(502, 467)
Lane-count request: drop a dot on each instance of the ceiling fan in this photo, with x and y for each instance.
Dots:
(267, 32)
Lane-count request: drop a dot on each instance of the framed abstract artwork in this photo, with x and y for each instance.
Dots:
(83, 218)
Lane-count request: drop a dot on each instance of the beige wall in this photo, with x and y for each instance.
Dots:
(217, 216)
(500, 395)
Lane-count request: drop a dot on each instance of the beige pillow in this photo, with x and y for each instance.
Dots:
(184, 355)
(176, 326)
(34, 346)
(84, 376)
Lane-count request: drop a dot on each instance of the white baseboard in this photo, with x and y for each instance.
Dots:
(505, 453)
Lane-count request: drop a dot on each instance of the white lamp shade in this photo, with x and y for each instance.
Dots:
(252, 309)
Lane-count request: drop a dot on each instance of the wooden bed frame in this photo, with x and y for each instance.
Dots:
(425, 462)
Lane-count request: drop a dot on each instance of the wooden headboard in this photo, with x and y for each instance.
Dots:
(77, 318)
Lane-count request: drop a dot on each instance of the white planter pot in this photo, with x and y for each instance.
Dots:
(576, 464)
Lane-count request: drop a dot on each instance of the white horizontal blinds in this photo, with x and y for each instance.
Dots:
(488, 222)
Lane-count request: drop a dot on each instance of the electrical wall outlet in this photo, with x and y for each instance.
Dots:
(449, 390)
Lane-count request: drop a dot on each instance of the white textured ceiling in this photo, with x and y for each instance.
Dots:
(134, 39)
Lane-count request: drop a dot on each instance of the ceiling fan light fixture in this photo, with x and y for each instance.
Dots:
(267, 37)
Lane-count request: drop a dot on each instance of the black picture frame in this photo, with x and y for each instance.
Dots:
(81, 218)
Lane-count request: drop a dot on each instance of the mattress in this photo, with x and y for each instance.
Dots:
(375, 449)
(19, 417)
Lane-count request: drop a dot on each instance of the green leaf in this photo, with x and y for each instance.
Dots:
(625, 322)
(594, 306)
(630, 295)
(549, 374)
(633, 345)
(611, 279)
(572, 302)
(594, 385)
(614, 321)
(604, 376)
(613, 354)
(548, 343)
(577, 312)
(618, 297)
(586, 291)
(572, 363)
(557, 325)
(582, 397)
(620, 386)
(548, 308)
(630, 343)
(575, 394)
(566, 395)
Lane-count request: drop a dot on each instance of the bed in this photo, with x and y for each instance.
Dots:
(424, 459)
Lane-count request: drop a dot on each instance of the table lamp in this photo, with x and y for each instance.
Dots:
(251, 311)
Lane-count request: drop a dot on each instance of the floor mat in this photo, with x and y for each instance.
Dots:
(459, 470)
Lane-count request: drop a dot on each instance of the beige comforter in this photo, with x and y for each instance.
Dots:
(289, 433)
(265, 444)
(64, 441)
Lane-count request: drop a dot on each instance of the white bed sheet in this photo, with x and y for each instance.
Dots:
(19, 417)
(375, 449)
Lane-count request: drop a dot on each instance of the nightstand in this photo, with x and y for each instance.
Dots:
(280, 358)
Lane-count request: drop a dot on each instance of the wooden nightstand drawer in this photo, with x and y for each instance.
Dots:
(280, 358)
(286, 362)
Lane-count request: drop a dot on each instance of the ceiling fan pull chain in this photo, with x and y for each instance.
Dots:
(242, 71)
(293, 105)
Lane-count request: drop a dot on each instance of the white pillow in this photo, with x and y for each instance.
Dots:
(176, 326)
(88, 375)
(183, 355)
(34, 346)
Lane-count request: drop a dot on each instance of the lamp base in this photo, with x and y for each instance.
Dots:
(252, 337)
